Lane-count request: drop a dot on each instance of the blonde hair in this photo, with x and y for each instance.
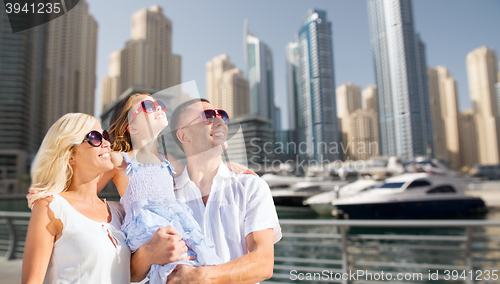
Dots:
(51, 172)
(118, 131)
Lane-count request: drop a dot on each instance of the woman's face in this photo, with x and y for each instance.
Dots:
(92, 159)
(144, 123)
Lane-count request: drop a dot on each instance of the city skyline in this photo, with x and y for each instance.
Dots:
(448, 37)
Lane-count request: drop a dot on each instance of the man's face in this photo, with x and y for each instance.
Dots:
(200, 136)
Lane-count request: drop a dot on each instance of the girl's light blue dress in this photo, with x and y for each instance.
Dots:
(150, 204)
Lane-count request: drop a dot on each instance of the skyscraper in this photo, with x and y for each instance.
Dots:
(110, 86)
(71, 63)
(482, 76)
(443, 91)
(369, 96)
(292, 81)
(468, 138)
(259, 63)
(22, 100)
(400, 71)
(316, 99)
(227, 88)
(348, 101)
(147, 60)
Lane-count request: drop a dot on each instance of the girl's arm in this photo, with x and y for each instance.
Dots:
(178, 167)
(117, 174)
(43, 230)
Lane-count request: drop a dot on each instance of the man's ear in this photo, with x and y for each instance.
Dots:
(181, 135)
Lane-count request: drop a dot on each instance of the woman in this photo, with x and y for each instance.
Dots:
(73, 236)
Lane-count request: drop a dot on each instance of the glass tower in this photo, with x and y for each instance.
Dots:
(317, 111)
(400, 71)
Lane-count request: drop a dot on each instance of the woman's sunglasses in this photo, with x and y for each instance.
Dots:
(208, 116)
(94, 138)
(149, 107)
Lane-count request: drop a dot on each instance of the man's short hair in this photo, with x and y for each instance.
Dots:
(176, 118)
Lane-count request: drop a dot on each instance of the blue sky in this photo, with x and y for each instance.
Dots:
(204, 29)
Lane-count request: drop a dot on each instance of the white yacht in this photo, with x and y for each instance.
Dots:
(411, 195)
(322, 203)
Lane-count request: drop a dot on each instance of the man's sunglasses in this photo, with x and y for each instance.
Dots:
(208, 116)
(149, 107)
(94, 138)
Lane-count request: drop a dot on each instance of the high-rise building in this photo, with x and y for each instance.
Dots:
(147, 60)
(348, 101)
(468, 138)
(400, 71)
(482, 76)
(22, 100)
(71, 63)
(292, 81)
(363, 133)
(444, 105)
(369, 96)
(110, 86)
(259, 63)
(316, 99)
(227, 88)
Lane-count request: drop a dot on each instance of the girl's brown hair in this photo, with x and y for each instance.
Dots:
(118, 130)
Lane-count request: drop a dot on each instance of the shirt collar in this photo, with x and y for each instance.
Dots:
(183, 178)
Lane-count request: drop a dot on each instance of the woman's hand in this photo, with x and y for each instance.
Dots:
(240, 169)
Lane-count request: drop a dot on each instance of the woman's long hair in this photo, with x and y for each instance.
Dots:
(118, 130)
(51, 172)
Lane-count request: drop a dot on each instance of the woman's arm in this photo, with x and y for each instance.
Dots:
(43, 230)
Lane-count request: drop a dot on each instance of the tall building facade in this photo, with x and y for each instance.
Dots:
(227, 87)
(348, 101)
(316, 98)
(71, 63)
(468, 138)
(444, 105)
(110, 86)
(292, 83)
(259, 63)
(369, 96)
(400, 71)
(482, 76)
(147, 60)
(22, 100)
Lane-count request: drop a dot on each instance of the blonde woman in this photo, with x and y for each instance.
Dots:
(73, 236)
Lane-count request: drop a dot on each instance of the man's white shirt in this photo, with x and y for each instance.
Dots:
(237, 205)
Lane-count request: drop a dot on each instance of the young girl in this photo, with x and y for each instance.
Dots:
(144, 179)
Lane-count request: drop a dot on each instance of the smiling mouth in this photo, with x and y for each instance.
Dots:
(104, 155)
(218, 134)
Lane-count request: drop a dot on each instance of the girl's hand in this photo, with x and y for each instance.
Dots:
(239, 169)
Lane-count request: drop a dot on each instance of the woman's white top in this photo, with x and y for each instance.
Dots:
(88, 251)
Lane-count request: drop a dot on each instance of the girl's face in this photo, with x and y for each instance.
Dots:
(92, 159)
(147, 123)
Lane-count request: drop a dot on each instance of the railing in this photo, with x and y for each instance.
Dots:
(332, 251)
(367, 251)
(13, 226)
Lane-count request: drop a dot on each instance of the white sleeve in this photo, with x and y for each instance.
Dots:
(260, 211)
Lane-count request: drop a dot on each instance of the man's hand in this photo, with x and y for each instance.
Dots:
(186, 274)
(165, 246)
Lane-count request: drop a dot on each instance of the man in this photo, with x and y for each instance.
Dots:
(235, 211)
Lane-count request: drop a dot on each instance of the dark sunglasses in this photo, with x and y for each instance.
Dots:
(208, 116)
(94, 138)
(149, 107)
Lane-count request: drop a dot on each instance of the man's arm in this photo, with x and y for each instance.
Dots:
(253, 267)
